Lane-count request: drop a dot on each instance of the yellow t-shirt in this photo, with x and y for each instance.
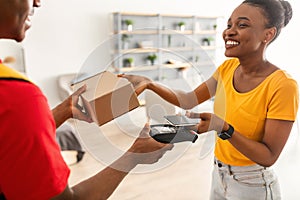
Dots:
(275, 98)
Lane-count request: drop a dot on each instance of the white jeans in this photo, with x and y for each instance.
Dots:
(244, 183)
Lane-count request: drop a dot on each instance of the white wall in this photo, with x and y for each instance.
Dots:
(64, 32)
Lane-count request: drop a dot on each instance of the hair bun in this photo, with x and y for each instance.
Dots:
(288, 11)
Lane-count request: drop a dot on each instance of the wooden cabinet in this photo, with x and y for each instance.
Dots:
(173, 42)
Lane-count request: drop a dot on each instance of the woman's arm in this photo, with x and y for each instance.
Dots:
(265, 152)
(182, 99)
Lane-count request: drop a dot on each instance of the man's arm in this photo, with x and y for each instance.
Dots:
(145, 150)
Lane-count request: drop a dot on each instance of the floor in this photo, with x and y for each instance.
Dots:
(183, 173)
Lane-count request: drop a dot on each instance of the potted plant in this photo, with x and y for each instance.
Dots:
(152, 58)
(129, 24)
(211, 41)
(125, 39)
(128, 62)
(181, 26)
(208, 41)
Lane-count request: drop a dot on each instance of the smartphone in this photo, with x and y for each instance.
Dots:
(181, 120)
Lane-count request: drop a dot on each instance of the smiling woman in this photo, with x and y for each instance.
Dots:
(255, 103)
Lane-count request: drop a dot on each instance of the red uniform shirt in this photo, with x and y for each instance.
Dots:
(31, 165)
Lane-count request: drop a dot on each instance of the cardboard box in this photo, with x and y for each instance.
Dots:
(107, 97)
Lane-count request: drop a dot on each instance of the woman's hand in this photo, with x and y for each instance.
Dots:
(140, 83)
(208, 122)
(70, 108)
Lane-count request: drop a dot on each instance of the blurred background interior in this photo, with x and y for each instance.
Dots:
(177, 43)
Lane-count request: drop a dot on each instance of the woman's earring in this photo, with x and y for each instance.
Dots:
(265, 41)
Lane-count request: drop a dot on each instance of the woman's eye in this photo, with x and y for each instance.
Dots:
(242, 25)
(228, 26)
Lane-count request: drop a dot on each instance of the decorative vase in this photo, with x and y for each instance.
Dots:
(129, 27)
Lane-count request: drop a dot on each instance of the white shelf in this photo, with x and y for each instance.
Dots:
(167, 41)
(139, 50)
(206, 32)
(136, 69)
(137, 32)
(167, 49)
(174, 32)
(166, 32)
(153, 67)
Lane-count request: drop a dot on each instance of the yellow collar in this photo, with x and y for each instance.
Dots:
(7, 72)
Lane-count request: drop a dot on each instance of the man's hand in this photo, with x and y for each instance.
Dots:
(146, 150)
(70, 108)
